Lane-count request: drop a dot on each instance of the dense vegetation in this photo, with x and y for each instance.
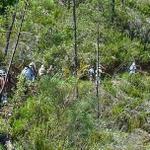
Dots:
(50, 116)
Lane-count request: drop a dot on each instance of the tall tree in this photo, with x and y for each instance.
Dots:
(98, 73)
(8, 34)
(75, 59)
(14, 50)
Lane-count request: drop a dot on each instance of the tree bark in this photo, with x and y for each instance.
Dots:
(75, 63)
(98, 74)
(9, 33)
(14, 51)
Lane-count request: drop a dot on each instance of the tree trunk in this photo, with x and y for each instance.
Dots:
(14, 51)
(9, 34)
(97, 78)
(75, 44)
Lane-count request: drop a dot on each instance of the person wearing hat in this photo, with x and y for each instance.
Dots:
(91, 73)
(42, 70)
(33, 67)
(29, 72)
(50, 70)
(98, 72)
(132, 68)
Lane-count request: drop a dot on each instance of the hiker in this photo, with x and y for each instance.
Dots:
(29, 72)
(2, 77)
(9, 145)
(132, 68)
(4, 98)
(50, 70)
(3, 138)
(2, 82)
(100, 69)
(42, 70)
(6, 141)
(99, 72)
(91, 73)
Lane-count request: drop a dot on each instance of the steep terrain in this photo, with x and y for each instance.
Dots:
(48, 115)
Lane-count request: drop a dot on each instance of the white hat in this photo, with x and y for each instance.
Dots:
(32, 64)
(133, 63)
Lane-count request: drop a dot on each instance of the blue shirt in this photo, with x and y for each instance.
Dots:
(28, 73)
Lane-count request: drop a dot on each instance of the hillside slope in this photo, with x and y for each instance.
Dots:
(45, 114)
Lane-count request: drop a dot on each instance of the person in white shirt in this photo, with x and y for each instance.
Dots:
(42, 70)
(91, 73)
(132, 68)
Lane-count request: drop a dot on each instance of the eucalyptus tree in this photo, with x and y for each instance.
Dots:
(8, 34)
(75, 59)
(15, 48)
(98, 73)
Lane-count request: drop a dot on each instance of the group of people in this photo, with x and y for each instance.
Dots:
(94, 74)
(30, 72)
